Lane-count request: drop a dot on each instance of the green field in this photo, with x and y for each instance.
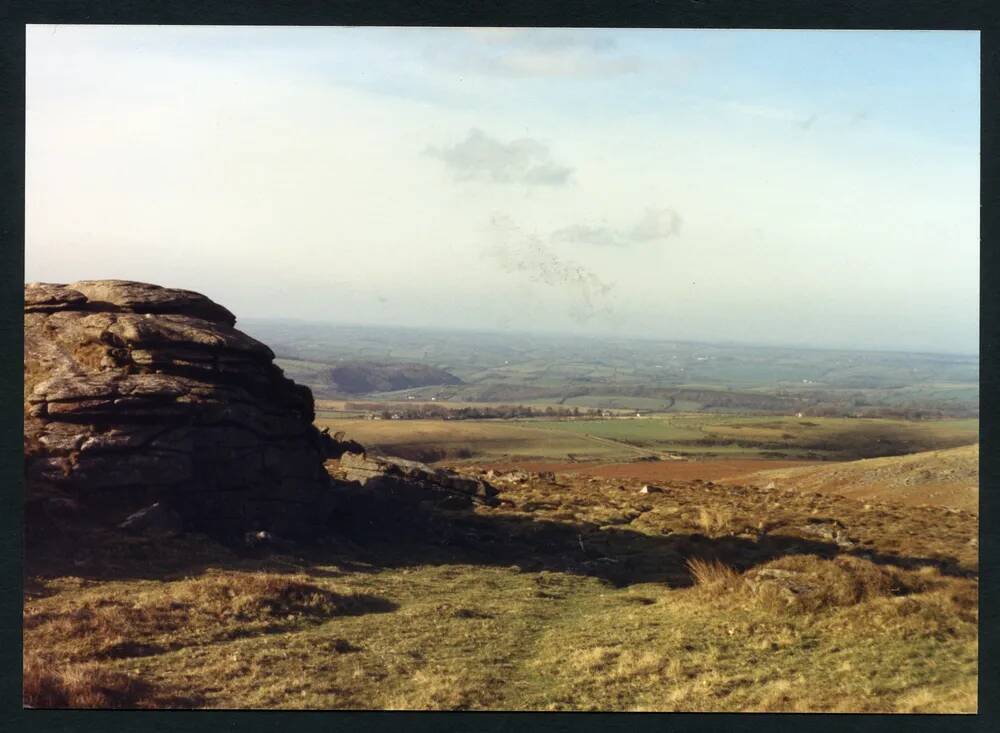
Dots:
(695, 435)
(666, 376)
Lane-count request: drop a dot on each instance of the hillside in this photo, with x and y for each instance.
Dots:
(944, 477)
(193, 540)
(363, 377)
(570, 593)
(613, 373)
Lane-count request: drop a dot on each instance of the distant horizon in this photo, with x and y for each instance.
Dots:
(807, 189)
(595, 336)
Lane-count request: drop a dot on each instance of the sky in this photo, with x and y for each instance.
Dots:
(803, 188)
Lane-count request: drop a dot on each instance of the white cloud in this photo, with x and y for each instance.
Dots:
(524, 53)
(280, 192)
(481, 157)
(656, 224)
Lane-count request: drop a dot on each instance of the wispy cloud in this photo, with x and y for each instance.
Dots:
(526, 52)
(656, 224)
(776, 114)
(481, 157)
(519, 253)
(598, 236)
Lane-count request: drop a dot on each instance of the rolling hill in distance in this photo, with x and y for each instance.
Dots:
(465, 366)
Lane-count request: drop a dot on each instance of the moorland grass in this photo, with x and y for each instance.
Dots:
(588, 596)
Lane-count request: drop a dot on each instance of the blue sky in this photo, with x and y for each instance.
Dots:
(814, 188)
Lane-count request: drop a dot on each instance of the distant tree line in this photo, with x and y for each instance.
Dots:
(479, 412)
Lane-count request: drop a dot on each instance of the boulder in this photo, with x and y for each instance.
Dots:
(336, 445)
(135, 394)
(156, 519)
(398, 473)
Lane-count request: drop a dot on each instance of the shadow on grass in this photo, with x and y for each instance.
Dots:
(373, 530)
(418, 534)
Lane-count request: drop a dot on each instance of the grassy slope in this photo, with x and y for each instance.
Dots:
(946, 477)
(583, 599)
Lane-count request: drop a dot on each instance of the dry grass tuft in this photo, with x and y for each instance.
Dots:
(249, 596)
(811, 583)
(715, 520)
(510, 625)
(713, 575)
(185, 612)
(80, 686)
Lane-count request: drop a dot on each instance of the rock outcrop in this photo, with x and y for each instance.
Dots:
(336, 445)
(396, 500)
(136, 394)
(422, 481)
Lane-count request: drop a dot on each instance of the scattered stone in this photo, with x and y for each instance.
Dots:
(830, 530)
(382, 473)
(650, 489)
(518, 477)
(154, 520)
(263, 538)
(455, 501)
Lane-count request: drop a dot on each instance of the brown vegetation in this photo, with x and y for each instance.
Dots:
(700, 597)
(79, 686)
(944, 478)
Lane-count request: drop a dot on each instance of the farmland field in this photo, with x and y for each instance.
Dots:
(690, 435)
(608, 373)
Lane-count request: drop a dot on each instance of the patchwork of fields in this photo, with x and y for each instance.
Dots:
(610, 373)
(695, 436)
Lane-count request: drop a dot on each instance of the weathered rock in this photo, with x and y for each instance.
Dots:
(122, 296)
(135, 394)
(334, 446)
(397, 473)
(830, 530)
(511, 477)
(650, 489)
(153, 520)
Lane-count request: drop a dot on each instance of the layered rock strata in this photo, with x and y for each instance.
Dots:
(136, 394)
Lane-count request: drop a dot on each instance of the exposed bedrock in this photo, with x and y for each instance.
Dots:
(136, 394)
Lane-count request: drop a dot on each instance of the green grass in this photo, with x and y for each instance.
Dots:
(431, 440)
(845, 438)
(627, 438)
(468, 637)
